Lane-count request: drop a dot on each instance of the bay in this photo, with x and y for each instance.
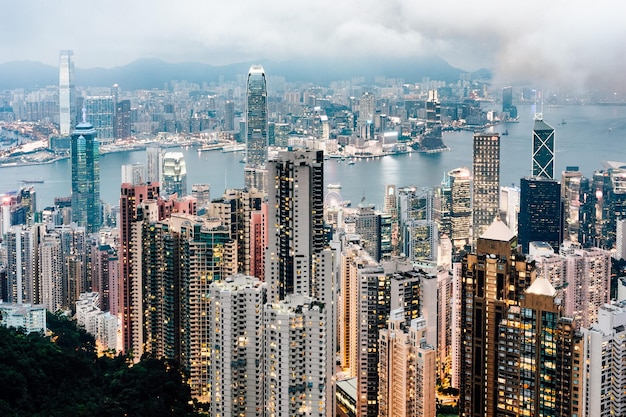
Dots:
(589, 136)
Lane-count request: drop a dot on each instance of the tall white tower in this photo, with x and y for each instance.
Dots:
(67, 105)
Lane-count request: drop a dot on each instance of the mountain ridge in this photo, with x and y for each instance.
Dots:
(148, 73)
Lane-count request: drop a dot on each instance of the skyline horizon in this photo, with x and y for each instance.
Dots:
(577, 46)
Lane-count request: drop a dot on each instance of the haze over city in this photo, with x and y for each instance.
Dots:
(551, 44)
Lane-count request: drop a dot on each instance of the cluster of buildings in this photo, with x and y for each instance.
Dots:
(279, 301)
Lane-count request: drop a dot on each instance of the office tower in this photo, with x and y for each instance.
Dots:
(577, 206)
(67, 101)
(367, 226)
(508, 109)
(129, 252)
(300, 274)
(460, 182)
(202, 194)
(99, 113)
(153, 167)
(407, 369)
(21, 280)
(420, 240)
(539, 352)
(486, 193)
(433, 108)
(256, 118)
(543, 149)
(174, 174)
(229, 116)
(85, 154)
(493, 278)
(122, 123)
(605, 347)
(540, 213)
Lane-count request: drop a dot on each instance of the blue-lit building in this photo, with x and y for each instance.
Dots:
(85, 158)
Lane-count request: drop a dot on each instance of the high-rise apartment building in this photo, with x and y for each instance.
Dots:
(604, 370)
(300, 275)
(543, 149)
(493, 279)
(256, 128)
(85, 158)
(22, 285)
(174, 174)
(228, 372)
(406, 369)
(539, 357)
(540, 215)
(486, 192)
(67, 101)
(129, 252)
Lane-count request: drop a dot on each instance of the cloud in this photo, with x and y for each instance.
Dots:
(556, 43)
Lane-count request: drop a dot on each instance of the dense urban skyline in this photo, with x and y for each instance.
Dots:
(575, 45)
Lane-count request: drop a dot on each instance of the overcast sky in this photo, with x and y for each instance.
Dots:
(549, 41)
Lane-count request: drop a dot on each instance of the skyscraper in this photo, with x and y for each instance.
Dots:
(460, 182)
(493, 279)
(486, 167)
(67, 105)
(543, 149)
(85, 151)
(174, 174)
(300, 273)
(406, 369)
(100, 112)
(256, 118)
(538, 354)
(541, 214)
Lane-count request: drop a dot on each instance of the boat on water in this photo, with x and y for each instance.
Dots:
(234, 147)
(351, 162)
(505, 133)
(39, 181)
(563, 122)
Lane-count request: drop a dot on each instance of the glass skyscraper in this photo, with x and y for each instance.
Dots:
(543, 149)
(86, 177)
(486, 169)
(67, 109)
(256, 128)
(256, 118)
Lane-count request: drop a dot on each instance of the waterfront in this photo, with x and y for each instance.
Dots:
(590, 135)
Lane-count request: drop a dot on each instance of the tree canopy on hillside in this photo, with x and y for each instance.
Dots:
(61, 375)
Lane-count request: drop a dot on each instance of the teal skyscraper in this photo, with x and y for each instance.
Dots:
(86, 177)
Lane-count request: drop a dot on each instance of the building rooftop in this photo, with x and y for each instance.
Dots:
(541, 286)
(498, 231)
